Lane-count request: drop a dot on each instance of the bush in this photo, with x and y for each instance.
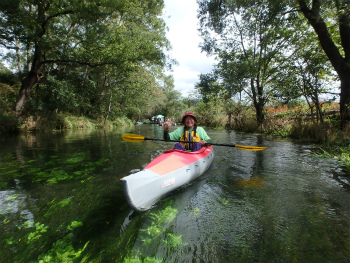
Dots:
(49, 122)
(8, 123)
(314, 132)
(210, 114)
(123, 122)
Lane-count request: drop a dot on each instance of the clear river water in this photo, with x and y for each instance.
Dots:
(61, 200)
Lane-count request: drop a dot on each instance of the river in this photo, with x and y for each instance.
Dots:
(61, 200)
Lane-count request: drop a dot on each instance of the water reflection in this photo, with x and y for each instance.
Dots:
(61, 200)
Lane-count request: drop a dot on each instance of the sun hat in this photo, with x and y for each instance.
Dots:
(188, 114)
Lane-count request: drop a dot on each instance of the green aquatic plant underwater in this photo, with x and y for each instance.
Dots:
(157, 233)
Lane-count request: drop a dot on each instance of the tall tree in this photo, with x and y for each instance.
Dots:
(309, 73)
(209, 86)
(95, 33)
(250, 45)
(331, 22)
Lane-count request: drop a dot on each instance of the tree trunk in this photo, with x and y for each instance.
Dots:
(32, 77)
(24, 93)
(345, 99)
(19, 57)
(29, 82)
(341, 64)
(318, 108)
(28, 56)
(109, 108)
(258, 101)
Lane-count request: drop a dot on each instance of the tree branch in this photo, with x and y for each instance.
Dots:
(77, 62)
(320, 27)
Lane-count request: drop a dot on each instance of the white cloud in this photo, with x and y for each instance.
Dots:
(181, 18)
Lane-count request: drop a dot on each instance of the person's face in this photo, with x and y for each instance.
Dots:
(189, 122)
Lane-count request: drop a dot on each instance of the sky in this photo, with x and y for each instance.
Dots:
(181, 19)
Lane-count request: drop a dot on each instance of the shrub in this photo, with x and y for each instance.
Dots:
(8, 123)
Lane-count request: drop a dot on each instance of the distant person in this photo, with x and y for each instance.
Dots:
(190, 132)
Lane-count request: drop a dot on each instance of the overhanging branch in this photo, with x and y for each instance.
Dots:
(85, 63)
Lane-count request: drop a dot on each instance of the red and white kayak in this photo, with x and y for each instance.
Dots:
(169, 171)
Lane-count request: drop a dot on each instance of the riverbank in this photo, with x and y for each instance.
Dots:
(9, 123)
(332, 141)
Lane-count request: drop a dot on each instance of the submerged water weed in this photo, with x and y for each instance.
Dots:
(77, 158)
(174, 241)
(195, 212)
(152, 260)
(10, 201)
(55, 207)
(74, 224)
(39, 229)
(87, 179)
(64, 202)
(165, 216)
(62, 251)
(57, 175)
(132, 260)
(52, 171)
(160, 222)
(224, 201)
(159, 226)
(140, 260)
(9, 172)
(12, 197)
(9, 241)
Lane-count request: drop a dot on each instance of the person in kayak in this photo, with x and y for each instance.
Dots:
(190, 132)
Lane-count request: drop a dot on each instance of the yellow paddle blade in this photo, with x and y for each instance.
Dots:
(133, 138)
(250, 148)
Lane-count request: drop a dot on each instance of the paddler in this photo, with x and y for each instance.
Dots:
(190, 132)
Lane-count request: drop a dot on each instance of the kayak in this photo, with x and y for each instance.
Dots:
(171, 170)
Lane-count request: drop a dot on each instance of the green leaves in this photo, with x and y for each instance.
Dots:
(264, 48)
(74, 46)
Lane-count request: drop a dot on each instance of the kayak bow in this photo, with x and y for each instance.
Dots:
(169, 171)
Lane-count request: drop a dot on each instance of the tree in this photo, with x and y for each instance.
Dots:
(308, 74)
(123, 34)
(330, 21)
(209, 86)
(334, 36)
(250, 45)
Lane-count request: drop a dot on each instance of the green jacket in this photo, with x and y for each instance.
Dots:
(177, 134)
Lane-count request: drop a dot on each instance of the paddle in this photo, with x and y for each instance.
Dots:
(140, 138)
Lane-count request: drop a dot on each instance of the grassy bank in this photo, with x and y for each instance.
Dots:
(9, 123)
(294, 123)
(282, 122)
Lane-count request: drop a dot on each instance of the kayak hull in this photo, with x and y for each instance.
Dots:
(167, 172)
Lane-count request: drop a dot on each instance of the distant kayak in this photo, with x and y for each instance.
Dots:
(170, 170)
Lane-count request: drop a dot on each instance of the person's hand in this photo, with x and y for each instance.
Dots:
(202, 142)
(166, 126)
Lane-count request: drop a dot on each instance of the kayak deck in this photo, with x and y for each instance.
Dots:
(165, 173)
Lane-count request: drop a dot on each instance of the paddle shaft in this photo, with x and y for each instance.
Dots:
(140, 138)
(217, 144)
